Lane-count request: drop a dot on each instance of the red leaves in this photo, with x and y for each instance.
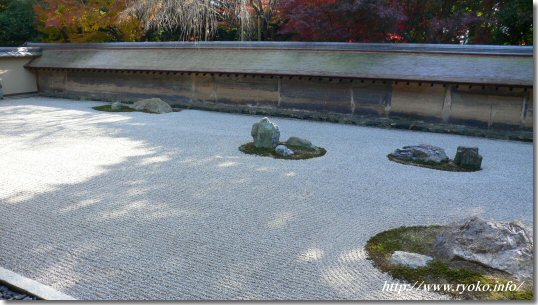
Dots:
(341, 20)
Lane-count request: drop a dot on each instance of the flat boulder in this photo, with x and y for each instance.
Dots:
(505, 246)
(283, 150)
(153, 105)
(296, 141)
(409, 259)
(265, 134)
(421, 153)
(468, 157)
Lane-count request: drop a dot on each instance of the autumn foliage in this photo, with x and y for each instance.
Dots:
(406, 21)
(86, 21)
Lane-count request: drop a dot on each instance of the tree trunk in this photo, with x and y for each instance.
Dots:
(259, 28)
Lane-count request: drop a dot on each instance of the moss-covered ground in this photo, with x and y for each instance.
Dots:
(300, 152)
(421, 239)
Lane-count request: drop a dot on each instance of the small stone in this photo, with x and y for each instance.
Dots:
(116, 106)
(423, 153)
(265, 133)
(409, 259)
(19, 297)
(153, 105)
(283, 150)
(468, 157)
(506, 246)
(296, 141)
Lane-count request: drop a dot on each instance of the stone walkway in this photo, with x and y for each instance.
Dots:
(141, 206)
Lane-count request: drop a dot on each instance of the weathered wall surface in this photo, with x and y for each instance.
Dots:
(14, 78)
(483, 106)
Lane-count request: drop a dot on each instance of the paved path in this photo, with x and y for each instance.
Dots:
(140, 206)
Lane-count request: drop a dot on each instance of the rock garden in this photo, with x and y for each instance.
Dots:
(152, 105)
(467, 159)
(266, 142)
(467, 252)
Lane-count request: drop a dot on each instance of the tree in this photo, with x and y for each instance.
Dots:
(341, 20)
(191, 19)
(514, 23)
(86, 21)
(264, 11)
(17, 22)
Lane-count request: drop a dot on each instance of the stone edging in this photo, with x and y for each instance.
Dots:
(32, 287)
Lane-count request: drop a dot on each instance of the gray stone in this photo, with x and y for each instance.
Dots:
(1, 91)
(409, 259)
(283, 150)
(153, 105)
(265, 134)
(468, 157)
(423, 153)
(296, 141)
(116, 106)
(505, 246)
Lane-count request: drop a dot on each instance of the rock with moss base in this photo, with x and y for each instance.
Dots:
(421, 153)
(468, 157)
(505, 246)
(409, 259)
(282, 150)
(116, 106)
(265, 133)
(153, 105)
(296, 141)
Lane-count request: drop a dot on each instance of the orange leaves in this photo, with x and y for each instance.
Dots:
(86, 21)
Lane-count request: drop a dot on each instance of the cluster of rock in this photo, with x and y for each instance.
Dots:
(10, 295)
(266, 134)
(466, 157)
(153, 105)
(505, 246)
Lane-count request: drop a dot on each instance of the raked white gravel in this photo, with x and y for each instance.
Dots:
(141, 206)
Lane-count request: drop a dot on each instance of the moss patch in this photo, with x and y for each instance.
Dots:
(420, 239)
(445, 166)
(300, 153)
(108, 108)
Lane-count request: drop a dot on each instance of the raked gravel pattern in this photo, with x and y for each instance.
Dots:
(141, 206)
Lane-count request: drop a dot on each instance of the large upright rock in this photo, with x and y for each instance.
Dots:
(505, 246)
(422, 153)
(265, 134)
(468, 157)
(153, 105)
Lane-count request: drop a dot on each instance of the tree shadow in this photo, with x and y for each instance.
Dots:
(138, 211)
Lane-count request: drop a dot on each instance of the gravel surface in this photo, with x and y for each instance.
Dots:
(11, 295)
(142, 206)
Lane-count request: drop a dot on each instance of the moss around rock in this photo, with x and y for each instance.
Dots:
(444, 166)
(108, 108)
(421, 239)
(299, 152)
